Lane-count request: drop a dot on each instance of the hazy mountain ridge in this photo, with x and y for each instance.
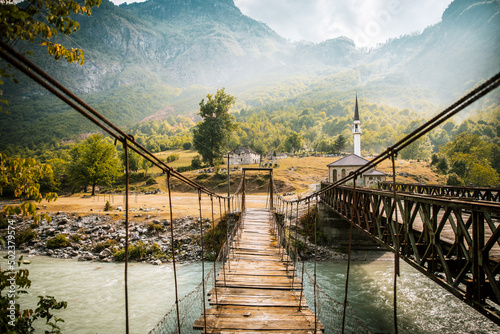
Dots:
(174, 52)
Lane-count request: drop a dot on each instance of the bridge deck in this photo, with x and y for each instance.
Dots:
(257, 292)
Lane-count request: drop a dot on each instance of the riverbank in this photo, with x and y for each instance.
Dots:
(102, 238)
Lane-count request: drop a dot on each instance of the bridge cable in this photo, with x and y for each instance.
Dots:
(477, 93)
(396, 239)
(213, 248)
(53, 86)
(351, 221)
(172, 247)
(202, 263)
(315, 261)
(127, 180)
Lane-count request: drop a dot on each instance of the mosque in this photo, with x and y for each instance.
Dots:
(339, 169)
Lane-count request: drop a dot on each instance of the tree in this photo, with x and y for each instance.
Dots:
(339, 144)
(211, 135)
(93, 162)
(419, 149)
(454, 180)
(293, 142)
(22, 177)
(39, 21)
(134, 160)
(482, 176)
(467, 150)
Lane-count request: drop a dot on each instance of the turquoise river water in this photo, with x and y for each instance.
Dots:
(95, 295)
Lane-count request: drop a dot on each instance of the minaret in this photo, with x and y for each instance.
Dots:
(356, 130)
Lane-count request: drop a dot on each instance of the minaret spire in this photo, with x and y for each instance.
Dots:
(356, 112)
(356, 130)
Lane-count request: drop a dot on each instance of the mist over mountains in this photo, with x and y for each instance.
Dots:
(144, 57)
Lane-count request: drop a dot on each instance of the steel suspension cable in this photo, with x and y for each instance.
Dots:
(127, 179)
(351, 221)
(202, 263)
(172, 247)
(315, 261)
(396, 238)
(215, 257)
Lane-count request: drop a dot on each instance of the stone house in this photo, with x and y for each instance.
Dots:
(243, 155)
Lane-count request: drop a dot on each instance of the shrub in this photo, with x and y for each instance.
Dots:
(107, 206)
(100, 246)
(25, 236)
(454, 180)
(154, 228)
(172, 157)
(135, 252)
(186, 146)
(196, 162)
(202, 176)
(150, 181)
(59, 241)
(75, 237)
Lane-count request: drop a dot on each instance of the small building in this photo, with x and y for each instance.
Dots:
(243, 155)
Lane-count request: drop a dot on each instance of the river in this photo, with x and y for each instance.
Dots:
(95, 295)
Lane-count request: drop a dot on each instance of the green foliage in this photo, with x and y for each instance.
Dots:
(139, 251)
(186, 146)
(151, 181)
(420, 149)
(308, 223)
(293, 142)
(41, 20)
(93, 162)
(107, 206)
(100, 246)
(134, 160)
(212, 134)
(214, 238)
(155, 228)
(442, 166)
(59, 241)
(172, 158)
(22, 177)
(25, 235)
(13, 318)
(196, 162)
(473, 159)
(454, 180)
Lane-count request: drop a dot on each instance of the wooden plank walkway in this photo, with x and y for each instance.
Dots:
(258, 292)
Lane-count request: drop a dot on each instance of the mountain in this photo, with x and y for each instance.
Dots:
(144, 57)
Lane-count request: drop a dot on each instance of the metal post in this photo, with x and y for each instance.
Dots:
(127, 180)
(271, 202)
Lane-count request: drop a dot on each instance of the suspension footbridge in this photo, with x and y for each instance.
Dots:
(258, 290)
(256, 283)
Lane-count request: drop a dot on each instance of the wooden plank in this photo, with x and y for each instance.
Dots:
(260, 294)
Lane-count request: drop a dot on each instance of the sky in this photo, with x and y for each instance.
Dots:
(367, 22)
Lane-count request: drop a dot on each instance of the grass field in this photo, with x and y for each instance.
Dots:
(292, 175)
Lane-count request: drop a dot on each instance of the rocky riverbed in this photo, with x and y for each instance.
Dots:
(102, 238)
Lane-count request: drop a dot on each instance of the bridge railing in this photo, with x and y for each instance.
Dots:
(478, 193)
(454, 242)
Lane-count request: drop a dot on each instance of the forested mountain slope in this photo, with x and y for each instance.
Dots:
(159, 55)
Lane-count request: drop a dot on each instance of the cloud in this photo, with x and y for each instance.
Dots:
(367, 22)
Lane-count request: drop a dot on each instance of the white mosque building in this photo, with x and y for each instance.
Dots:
(341, 168)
